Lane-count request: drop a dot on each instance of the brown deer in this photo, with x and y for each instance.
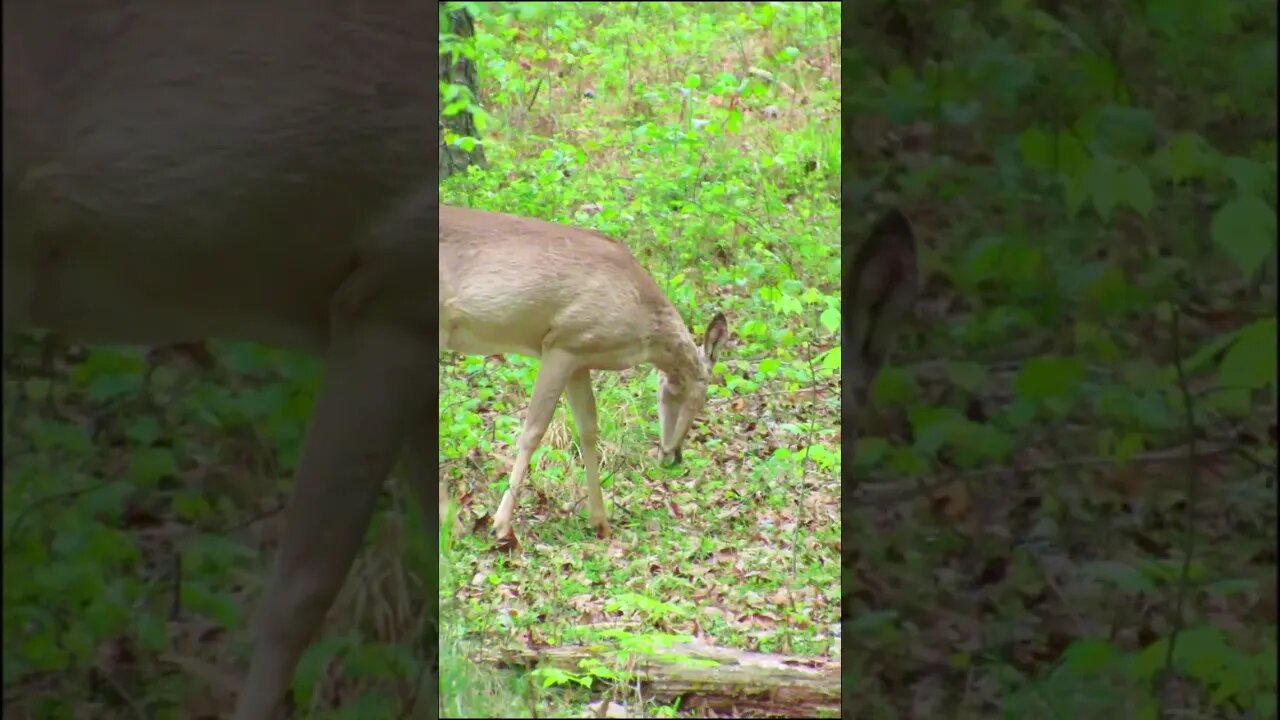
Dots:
(579, 301)
(178, 170)
(880, 282)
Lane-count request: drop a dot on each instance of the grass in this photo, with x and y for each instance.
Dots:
(706, 138)
(139, 519)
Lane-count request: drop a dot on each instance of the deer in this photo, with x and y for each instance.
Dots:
(578, 301)
(176, 171)
(880, 282)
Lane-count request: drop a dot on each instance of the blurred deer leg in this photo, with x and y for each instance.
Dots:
(583, 403)
(557, 366)
(374, 389)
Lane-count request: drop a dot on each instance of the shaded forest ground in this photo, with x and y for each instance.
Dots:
(1076, 459)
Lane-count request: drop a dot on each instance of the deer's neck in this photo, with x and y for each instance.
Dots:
(676, 354)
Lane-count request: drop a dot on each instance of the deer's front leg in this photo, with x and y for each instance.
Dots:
(375, 387)
(583, 404)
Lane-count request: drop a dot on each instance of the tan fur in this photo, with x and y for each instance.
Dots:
(579, 301)
(176, 171)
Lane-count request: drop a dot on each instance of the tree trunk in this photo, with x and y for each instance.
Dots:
(460, 72)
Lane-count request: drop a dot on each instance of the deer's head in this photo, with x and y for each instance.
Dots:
(680, 399)
(879, 281)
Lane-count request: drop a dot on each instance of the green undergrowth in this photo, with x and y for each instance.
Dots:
(1065, 496)
(142, 501)
(706, 138)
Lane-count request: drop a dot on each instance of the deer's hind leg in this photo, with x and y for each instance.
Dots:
(376, 384)
(376, 387)
(553, 375)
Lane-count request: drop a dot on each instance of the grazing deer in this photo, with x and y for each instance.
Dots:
(879, 281)
(579, 301)
(178, 170)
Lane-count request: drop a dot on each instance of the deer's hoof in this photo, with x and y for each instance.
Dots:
(671, 458)
(507, 541)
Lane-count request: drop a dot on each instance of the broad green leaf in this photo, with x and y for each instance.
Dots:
(1134, 189)
(1075, 189)
(967, 375)
(149, 466)
(830, 319)
(1049, 377)
(1251, 360)
(1121, 575)
(1250, 176)
(1245, 229)
(1184, 157)
(1036, 146)
(1089, 655)
(1102, 183)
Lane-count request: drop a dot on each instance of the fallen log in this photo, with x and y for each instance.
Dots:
(702, 676)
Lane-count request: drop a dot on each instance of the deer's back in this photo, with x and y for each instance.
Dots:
(177, 169)
(515, 284)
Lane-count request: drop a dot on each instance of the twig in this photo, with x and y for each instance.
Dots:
(1193, 484)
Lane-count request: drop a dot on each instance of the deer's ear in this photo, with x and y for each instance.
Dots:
(717, 334)
(893, 224)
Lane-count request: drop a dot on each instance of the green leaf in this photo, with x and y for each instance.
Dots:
(1102, 181)
(1231, 586)
(1121, 575)
(873, 622)
(1036, 146)
(192, 506)
(1072, 154)
(1129, 445)
(369, 705)
(153, 633)
(1088, 656)
(830, 319)
(1046, 151)
(733, 123)
(150, 465)
(1134, 189)
(1204, 356)
(1184, 157)
(1049, 377)
(1076, 190)
(1251, 360)
(1245, 229)
(43, 652)
(314, 661)
(1251, 177)
(1150, 659)
(968, 375)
